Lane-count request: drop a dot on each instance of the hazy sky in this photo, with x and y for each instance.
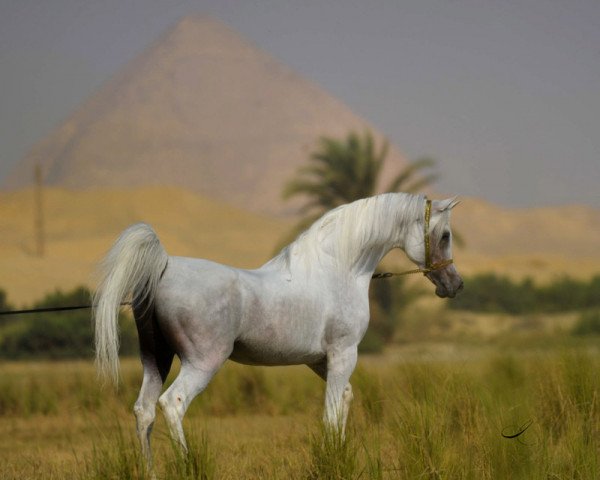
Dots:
(504, 93)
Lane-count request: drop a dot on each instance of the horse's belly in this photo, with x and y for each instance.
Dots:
(268, 353)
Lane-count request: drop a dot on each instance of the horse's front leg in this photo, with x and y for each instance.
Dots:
(338, 393)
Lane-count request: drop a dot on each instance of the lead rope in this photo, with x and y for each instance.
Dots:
(429, 267)
(52, 309)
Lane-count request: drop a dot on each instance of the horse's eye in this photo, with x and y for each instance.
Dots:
(445, 236)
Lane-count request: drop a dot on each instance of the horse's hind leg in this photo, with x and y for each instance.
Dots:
(192, 379)
(156, 360)
(145, 405)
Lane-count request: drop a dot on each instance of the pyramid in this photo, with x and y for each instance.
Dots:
(203, 109)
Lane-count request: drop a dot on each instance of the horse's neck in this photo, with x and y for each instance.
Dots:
(336, 256)
(367, 262)
(370, 256)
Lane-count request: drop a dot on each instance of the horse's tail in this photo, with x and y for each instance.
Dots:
(132, 268)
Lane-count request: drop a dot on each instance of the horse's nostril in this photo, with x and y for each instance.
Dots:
(461, 286)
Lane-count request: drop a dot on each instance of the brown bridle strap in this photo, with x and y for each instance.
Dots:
(426, 236)
(429, 267)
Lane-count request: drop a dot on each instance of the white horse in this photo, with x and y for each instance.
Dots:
(308, 305)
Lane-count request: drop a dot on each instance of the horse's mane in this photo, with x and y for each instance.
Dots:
(353, 227)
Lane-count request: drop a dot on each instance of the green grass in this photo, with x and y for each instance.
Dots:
(413, 417)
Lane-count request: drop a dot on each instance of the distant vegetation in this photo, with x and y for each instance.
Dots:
(4, 305)
(492, 293)
(56, 335)
(489, 293)
(588, 324)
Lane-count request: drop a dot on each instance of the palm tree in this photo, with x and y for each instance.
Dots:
(341, 171)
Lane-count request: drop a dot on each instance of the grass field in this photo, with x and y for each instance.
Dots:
(419, 412)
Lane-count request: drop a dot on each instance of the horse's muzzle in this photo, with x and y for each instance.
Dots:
(443, 292)
(447, 282)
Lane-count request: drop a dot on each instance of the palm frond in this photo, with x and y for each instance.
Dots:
(408, 173)
(421, 183)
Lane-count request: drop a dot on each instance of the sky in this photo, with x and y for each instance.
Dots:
(504, 94)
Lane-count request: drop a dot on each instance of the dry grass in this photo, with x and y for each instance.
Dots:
(413, 417)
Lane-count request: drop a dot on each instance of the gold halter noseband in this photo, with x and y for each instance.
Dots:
(429, 267)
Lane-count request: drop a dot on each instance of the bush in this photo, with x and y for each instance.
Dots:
(371, 342)
(387, 299)
(381, 299)
(4, 306)
(3, 303)
(66, 334)
(491, 293)
(587, 324)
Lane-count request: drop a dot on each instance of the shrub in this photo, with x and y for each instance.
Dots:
(3, 303)
(371, 342)
(492, 293)
(66, 334)
(4, 306)
(387, 299)
(588, 323)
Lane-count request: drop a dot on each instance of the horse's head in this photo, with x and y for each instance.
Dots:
(429, 245)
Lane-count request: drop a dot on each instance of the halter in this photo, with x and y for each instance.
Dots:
(429, 266)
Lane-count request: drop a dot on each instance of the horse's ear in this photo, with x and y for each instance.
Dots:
(447, 204)
(455, 201)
